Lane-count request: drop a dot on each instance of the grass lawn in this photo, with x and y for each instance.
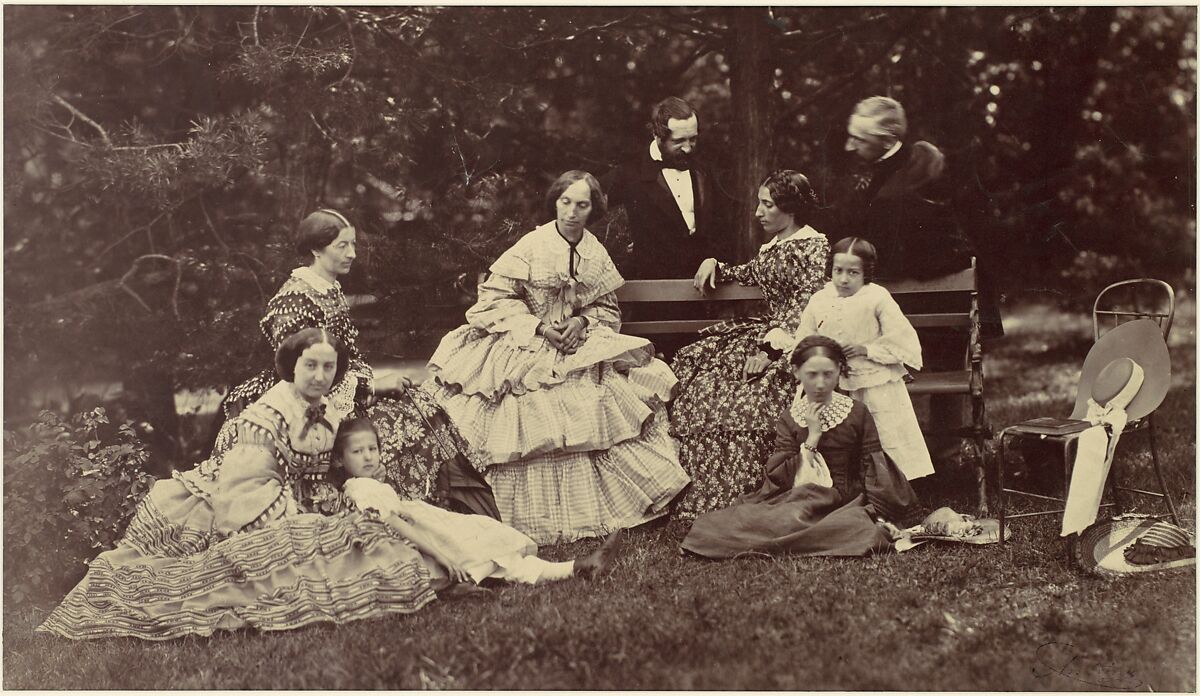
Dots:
(939, 617)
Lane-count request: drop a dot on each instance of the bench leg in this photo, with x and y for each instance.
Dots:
(980, 476)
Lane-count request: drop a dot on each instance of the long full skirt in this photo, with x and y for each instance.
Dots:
(300, 570)
(578, 445)
(725, 424)
(899, 432)
(809, 520)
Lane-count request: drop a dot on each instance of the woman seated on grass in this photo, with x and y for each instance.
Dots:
(249, 549)
(829, 491)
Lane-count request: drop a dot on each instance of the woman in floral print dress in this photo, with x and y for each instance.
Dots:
(424, 453)
(734, 382)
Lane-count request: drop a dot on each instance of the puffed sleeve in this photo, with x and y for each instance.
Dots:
(250, 491)
(779, 339)
(898, 342)
(603, 311)
(889, 495)
(502, 309)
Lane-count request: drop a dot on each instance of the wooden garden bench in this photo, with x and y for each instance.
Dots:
(945, 308)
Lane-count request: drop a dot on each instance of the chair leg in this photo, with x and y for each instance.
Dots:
(1068, 463)
(1114, 486)
(1162, 484)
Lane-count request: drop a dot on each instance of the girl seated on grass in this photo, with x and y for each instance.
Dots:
(461, 547)
(878, 341)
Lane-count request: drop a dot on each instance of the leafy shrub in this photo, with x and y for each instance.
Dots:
(69, 491)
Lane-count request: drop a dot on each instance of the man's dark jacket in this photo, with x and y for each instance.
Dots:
(915, 237)
(662, 247)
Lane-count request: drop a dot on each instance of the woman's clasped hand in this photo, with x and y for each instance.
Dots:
(566, 335)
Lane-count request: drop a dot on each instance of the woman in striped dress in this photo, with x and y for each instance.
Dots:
(251, 549)
(422, 450)
(569, 412)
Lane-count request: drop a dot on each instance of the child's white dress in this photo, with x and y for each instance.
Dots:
(484, 547)
(871, 318)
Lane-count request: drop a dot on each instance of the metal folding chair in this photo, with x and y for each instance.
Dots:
(1123, 340)
(1129, 300)
(1141, 298)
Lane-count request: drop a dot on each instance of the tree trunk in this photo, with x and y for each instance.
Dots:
(151, 397)
(749, 89)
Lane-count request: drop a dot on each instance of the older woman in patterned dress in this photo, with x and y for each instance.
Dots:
(423, 451)
(734, 382)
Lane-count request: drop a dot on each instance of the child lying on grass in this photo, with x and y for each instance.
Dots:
(456, 547)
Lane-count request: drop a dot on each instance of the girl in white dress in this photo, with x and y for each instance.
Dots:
(455, 547)
(879, 342)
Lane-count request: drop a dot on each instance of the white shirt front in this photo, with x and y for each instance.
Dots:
(680, 183)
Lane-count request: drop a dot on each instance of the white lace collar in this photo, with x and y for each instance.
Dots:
(806, 232)
(831, 416)
(314, 279)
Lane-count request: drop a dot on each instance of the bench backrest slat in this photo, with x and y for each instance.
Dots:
(936, 303)
(673, 290)
(681, 290)
(672, 326)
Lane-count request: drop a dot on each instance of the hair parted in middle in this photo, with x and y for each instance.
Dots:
(856, 246)
(291, 348)
(337, 473)
(664, 111)
(318, 231)
(564, 181)
(818, 345)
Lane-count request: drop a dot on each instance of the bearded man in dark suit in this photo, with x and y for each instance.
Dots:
(668, 197)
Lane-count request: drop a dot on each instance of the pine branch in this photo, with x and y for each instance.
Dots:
(85, 118)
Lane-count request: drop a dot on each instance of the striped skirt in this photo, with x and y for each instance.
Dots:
(303, 569)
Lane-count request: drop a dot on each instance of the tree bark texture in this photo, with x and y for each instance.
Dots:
(749, 87)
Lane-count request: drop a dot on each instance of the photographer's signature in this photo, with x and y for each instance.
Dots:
(1066, 660)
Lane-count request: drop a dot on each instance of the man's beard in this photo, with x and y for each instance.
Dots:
(678, 160)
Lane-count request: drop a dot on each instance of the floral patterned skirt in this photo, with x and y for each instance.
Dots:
(426, 457)
(724, 424)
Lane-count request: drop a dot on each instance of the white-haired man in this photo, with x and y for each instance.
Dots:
(888, 201)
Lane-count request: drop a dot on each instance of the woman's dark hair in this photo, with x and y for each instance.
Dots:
(292, 347)
(337, 473)
(599, 200)
(859, 247)
(791, 192)
(664, 111)
(318, 231)
(818, 345)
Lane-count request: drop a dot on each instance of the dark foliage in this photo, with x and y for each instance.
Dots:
(69, 491)
(157, 158)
